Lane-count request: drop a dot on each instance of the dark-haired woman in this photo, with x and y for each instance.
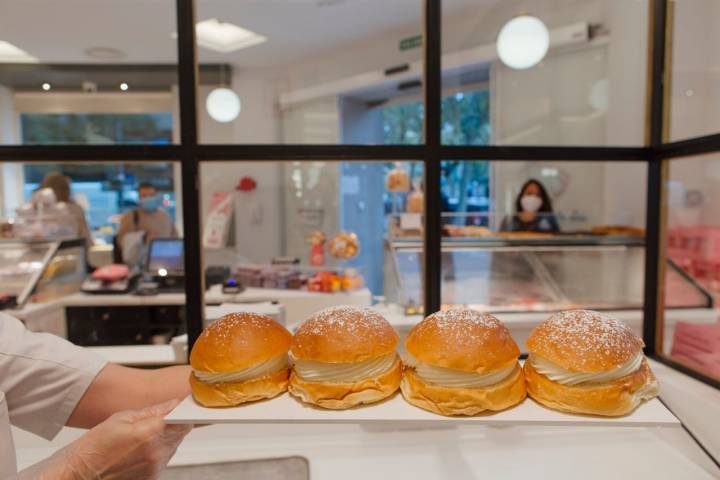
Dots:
(533, 211)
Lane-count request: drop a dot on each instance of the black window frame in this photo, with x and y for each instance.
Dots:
(656, 154)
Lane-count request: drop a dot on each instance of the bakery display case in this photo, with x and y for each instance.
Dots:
(40, 271)
(541, 274)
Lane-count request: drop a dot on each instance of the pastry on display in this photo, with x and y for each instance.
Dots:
(621, 230)
(582, 361)
(397, 181)
(344, 245)
(462, 362)
(525, 234)
(466, 231)
(415, 201)
(344, 356)
(241, 357)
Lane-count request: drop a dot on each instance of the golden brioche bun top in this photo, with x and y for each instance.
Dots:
(344, 334)
(462, 339)
(584, 341)
(238, 341)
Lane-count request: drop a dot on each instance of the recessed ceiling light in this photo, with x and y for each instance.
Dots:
(104, 53)
(9, 53)
(46, 86)
(124, 87)
(225, 37)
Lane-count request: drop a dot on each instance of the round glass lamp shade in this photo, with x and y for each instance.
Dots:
(523, 42)
(223, 105)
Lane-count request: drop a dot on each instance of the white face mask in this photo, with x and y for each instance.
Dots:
(531, 203)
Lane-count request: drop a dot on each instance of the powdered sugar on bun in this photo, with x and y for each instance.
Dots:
(462, 339)
(344, 334)
(584, 341)
(238, 341)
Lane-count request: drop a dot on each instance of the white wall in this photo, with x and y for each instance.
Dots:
(8, 133)
(696, 69)
(550, 104)
(258, 217)
(259, 120)
(695, 108)
(8, 194)
(256, 223)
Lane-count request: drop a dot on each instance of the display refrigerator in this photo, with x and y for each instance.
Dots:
(522, 279)
(40, 271)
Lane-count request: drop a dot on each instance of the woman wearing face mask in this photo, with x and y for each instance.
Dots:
(533, 211)
(148, 217)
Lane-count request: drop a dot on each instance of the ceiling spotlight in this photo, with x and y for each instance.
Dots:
(223, 105)
(46, 86)
(124, 87)
(523, 42)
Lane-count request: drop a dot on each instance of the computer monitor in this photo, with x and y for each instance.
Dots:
(166, 257)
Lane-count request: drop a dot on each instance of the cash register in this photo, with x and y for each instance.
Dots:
(166, 265)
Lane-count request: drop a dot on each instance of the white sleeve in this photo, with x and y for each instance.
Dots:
(43, 377)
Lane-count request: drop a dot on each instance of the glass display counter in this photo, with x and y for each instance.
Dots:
(545, 273)
(40, 271)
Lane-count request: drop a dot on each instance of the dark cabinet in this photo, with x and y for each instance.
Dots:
(124, 325)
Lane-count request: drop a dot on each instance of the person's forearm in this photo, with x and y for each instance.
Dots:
(118, 388)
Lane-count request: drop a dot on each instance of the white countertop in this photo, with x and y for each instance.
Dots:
(141, 355)
(213, 295)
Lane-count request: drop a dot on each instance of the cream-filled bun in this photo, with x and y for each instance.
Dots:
(582, 361)
(344, 356)
(241, 357)
(462, 362)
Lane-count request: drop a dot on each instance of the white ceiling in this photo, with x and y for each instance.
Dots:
(59, 31)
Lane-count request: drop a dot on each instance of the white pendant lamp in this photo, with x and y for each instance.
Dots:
(223, 105)
(523, 42)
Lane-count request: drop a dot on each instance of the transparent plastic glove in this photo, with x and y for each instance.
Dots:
(128, 445)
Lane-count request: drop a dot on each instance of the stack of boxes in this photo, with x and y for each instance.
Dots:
(293, 279)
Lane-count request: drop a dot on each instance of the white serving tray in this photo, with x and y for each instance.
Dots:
(286, 409)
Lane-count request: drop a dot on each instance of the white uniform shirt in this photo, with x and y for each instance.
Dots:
(42, 378)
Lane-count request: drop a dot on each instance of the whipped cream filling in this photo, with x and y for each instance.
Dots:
(322, 372)
(558, 374)
(262, 369)
(647, 391)
(451, 378)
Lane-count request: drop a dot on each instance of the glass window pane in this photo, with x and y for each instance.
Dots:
(691, 325)
(695, 82)
(526, 238)
(61, 223)
(316, 234)
(67, 80)
(326, 80)
(588, 89)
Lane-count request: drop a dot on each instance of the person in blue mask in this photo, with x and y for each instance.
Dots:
(148, 217)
